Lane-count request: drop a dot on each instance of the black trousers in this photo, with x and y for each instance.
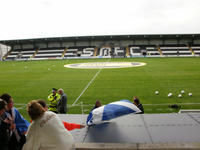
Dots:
(4, 147)
(14, 144)
(62, 112)
(55, 112)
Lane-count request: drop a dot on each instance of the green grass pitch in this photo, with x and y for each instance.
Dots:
(28, 80)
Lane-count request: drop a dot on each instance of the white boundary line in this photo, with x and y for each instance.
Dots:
(164, 104)
(20, 103)
(173, 103)
(88, 84)
(87, 87)
(22, 107)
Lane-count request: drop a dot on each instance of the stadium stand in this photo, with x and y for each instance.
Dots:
(12, 55)
(135, 51)
(196, 49)
(71, 52)
(87, 52)
(27, 54)
(171, 45)
(20, 54)
(127, 52)
(152, 50)
(44, 53)
(120, 52)
(105, 51)
(95, 51)
(175, 50)
(143, 50)
(80, 51)
(117, 52)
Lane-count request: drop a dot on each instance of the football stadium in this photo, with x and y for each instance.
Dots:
(162, 70)
(32, 67)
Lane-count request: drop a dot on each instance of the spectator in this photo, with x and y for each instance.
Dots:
(46, 131)
(53, 99)
(19, 125)
(97, 104)
(4, 127)
(136, 101)
(68, 126)
(43, 104)
(62, 104)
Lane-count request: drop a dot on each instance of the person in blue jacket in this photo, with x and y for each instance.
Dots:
(18, 123)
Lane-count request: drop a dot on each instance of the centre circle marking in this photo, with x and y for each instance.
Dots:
(104, 65)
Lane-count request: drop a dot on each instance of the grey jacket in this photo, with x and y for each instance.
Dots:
(62, 104)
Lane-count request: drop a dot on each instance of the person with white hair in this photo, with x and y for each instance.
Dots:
(62, 104)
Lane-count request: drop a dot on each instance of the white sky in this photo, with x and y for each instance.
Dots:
(22, 19)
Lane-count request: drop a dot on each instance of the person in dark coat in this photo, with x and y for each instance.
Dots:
(136, 101)
(97, 104)
(19, 125)
(62, 104)
(4, 127)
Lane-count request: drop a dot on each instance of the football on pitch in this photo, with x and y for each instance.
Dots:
(169, 95)
(182, 92)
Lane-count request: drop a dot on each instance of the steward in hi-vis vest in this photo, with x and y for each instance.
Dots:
(53, 99)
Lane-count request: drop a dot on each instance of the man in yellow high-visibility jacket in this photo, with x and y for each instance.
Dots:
(53, 99)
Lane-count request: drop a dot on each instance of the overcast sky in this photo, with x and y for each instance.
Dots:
(22, 19)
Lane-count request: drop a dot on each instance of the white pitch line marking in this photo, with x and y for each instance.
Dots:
(142, 104)
(172, 104)
(88, 85)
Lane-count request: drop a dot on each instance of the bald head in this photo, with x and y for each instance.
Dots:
(60, 91)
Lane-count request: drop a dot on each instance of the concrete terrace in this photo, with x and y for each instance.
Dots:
(150, 131)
